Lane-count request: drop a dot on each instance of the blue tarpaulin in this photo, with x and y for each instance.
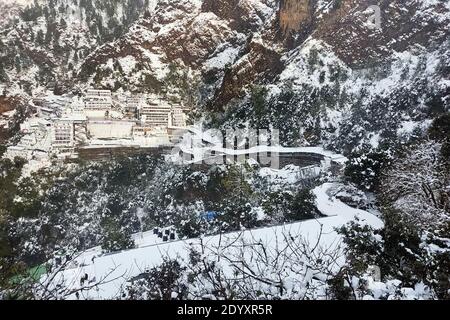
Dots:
(209, 215)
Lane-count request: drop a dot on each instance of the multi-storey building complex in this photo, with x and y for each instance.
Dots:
(177, 117)
(132, 106)
(71, 122)
(97, 103)
(63, 136)
(93, 93)
(154, 114)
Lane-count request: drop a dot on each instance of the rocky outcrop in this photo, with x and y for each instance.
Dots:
(343, 25)
(243, 15)
(176, 32)
(295, 15)
(260, 62)
(403, 24)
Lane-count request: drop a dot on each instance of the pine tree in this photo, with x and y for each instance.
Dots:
(39, 37)
(3, 75)
(259, 104)
(48, 35)
(18, 64)
(114, 238)
(303, 206)
(63, 23)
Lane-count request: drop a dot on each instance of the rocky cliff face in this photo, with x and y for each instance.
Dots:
(295, 15)
(404, 24)
(344, 27)
(343, 82)
(243, 16)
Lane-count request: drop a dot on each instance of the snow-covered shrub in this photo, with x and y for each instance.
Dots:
(164, 282)
(413, 249)
(364, 168)
(115, 236)
(350, 195)
(417, 185)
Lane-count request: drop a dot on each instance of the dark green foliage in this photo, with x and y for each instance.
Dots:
(287, 206)
(364, 248)
(181, 84)
(440, 131)
(15, 279)
(115, 237)
(339, 288)
(230, 195)
(258, 100)
(3, 75)
(19, 199)
(445, 152)
(29, 204)
(402, 255)
(336, 4)
(440, 128)
(436, 105)
(236, 214)
(303, 206)
(398, 250)
(313, 58)
(76, 199)
(63, 23)
(152, 84)
(395, 250)
(18, 64)
(322, 77)
(2, 150)
(364, 168)
(31, 13)
(8, 187)
(298, 113)
(50, 50)
(438, 270)
(48, 34)
(189, 224)
(277, 204)
(159, 283)
(40, 37)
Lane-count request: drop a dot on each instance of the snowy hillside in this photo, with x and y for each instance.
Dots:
(117, 269)
(47, 42)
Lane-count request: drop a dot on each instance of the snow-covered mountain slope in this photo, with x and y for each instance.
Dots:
(322, 62)
(48, 39)
(339, 81)
(363, 106)
(186, 36)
